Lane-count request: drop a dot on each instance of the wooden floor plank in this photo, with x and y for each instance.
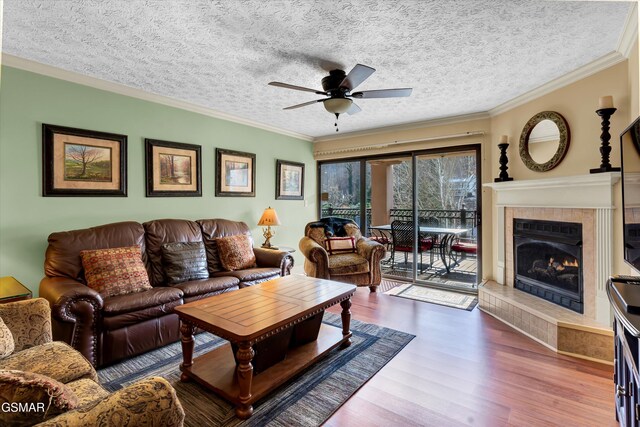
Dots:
(468, 368)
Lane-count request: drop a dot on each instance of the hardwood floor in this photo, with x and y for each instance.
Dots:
(467, 368)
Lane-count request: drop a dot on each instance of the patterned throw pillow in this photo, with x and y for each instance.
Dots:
(340, 245)
(184, 261)
(7, 344)
(44, 396)
(236, 252)
(115, 271)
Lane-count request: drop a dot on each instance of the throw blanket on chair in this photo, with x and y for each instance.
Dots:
(333, 226)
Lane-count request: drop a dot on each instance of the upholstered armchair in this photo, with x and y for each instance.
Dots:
(57, 386)
(335, 249)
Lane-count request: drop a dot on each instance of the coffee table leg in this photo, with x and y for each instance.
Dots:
(245, 377)
(346, 322)
(187, 331)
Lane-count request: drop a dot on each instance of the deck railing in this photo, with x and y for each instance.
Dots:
(435, 217)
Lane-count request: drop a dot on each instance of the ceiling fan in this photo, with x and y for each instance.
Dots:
(338, 87)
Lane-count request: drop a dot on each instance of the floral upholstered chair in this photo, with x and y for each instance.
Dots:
(48, 383)
(335, 249)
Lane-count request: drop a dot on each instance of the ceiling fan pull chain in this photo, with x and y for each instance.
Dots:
(336, 123)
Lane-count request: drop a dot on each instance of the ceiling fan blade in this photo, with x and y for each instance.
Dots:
(383, 93)
(304, 104)
(294, 87)
(357, 75)
(353, 109)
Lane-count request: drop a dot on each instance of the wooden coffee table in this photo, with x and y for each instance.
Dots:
(278, 322)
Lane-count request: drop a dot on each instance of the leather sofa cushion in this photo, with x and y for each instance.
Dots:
(161, 231)
(184, 261)
(236, 252)
(123, 320)
(213, 229)
(115, 271)
(252, 274)
(201, 287)
(343, 264)
(63, 253)
(141, 300)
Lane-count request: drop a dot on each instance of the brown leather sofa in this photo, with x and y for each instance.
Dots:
(106, 330)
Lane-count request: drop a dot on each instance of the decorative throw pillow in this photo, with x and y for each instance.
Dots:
(7, 344)
(184, 261)
(115, 271)
(340, 245)
(43, 396)
(236, 252)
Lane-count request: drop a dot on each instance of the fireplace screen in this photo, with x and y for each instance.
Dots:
(548, 261)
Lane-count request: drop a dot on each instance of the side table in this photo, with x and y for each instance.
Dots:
(12, 290)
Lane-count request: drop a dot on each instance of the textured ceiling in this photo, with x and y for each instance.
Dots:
(458, 56)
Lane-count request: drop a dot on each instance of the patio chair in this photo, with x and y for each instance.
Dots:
(383, 238)
(402, 236)
(460, 249)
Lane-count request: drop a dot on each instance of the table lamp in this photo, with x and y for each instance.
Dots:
(269, 217)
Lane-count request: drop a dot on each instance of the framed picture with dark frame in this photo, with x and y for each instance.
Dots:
(289, 180)
(173, 169)
(235, 173)
(80, 162)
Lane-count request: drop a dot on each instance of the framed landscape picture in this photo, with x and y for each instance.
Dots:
(235, 173)
(79, 162)
(173, 169)
(289, 180)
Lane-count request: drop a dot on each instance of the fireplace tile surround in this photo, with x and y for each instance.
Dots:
(584, 199)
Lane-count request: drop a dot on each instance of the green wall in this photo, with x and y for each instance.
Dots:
(26, 218)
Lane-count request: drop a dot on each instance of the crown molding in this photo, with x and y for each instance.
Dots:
(407, 126)
(630, 32)
(600, 64)
(73, 77)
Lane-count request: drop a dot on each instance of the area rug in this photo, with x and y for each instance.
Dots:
(435, 296)
(307, 400)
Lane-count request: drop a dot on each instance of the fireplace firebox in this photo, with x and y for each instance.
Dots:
(548, 261)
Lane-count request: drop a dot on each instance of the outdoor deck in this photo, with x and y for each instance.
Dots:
(463, 275)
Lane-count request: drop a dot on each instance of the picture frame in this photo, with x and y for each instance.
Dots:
(235, 173)
(80, 162)
(289, 180)
(173, 169)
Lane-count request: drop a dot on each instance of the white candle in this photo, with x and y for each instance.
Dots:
(504, 139)
(605, 102)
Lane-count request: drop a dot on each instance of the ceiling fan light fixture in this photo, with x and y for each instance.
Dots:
(337, 105)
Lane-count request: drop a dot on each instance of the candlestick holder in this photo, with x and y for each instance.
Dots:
(605, 136)
(504, 176)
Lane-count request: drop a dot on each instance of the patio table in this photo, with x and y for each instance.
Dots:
(446, 240)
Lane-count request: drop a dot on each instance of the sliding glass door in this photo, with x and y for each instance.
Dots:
(423, 206)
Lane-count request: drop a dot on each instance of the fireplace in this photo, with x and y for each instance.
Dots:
(548, 261)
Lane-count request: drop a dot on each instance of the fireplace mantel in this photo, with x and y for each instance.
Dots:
(589, 191)
(593, 191)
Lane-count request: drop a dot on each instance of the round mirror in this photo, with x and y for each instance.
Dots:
(544, 141)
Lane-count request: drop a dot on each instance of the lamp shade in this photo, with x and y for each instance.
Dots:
(269, 217)
(337, 105)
